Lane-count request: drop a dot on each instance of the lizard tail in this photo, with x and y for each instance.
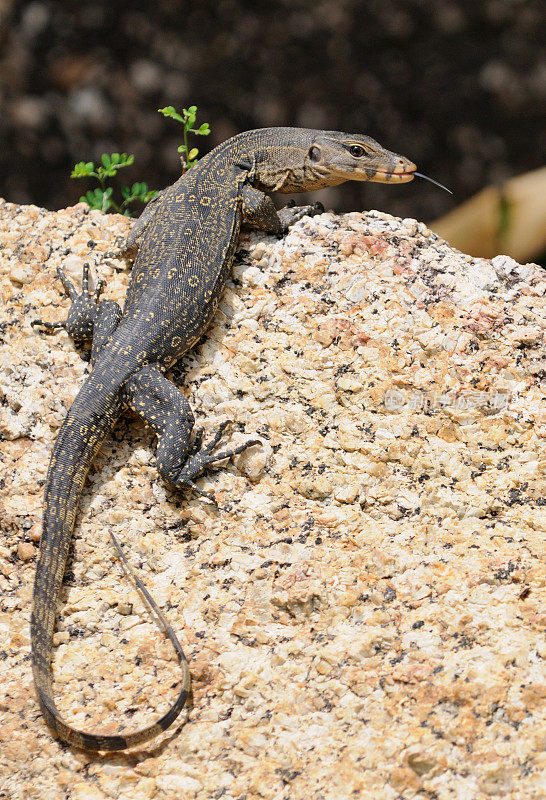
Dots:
(85, 428)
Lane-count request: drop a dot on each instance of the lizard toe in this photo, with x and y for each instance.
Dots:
(49, 326)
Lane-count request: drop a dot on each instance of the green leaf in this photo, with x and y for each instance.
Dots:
(143, 196)
(82, 169)
(192, 155)
(103, 172)
(112, 163)
(138, 191)
(203, 129)
(124, 160)
(94, 198)
(189, 116)
(97, 199)
(170, 111)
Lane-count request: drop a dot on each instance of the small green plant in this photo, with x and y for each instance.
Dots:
(102, 198)
(187, 118)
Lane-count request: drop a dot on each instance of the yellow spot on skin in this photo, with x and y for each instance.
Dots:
(205, 201)
(193, 281)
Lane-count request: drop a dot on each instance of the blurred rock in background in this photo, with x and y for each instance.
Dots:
(509, 218)
(457, 86)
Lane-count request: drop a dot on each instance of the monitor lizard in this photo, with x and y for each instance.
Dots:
(186, 241)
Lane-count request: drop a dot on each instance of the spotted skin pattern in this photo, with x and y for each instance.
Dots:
(186, 239)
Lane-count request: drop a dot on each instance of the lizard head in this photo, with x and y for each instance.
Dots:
(334, 157)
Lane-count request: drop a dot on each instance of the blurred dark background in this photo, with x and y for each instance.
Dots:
(456, 85)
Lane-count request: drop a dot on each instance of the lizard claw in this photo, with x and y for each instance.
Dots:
(202, 457)
(67, 283)
(235, 450)
(217, 436)
(85, 278)
(197, 441)
(49, 326)
(189, 484)
(292, 213)
(98, 289)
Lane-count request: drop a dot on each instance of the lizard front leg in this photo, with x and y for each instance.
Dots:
(259, 212)
(87, 317)
(166, 410)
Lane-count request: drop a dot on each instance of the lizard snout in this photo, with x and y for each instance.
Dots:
(401, 170)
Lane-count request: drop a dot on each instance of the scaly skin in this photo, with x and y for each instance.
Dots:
(186, 240)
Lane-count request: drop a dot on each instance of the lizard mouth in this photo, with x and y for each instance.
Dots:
(398, 176)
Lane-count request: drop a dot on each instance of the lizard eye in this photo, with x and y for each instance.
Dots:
(356, 150)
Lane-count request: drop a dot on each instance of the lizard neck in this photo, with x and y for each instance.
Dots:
(276, 160)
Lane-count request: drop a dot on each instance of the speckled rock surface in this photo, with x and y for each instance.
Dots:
(364, 615)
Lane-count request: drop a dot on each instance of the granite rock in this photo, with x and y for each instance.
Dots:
(364, 612)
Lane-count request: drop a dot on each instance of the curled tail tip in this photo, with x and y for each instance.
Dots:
(110, 742)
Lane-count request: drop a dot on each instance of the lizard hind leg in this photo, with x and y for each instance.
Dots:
(179, 459)
(87, 317)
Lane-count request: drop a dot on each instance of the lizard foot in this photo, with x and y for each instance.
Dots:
(292, 213)
(201, 457)
(83, 309)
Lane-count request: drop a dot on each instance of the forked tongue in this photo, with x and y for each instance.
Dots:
(420, 175)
